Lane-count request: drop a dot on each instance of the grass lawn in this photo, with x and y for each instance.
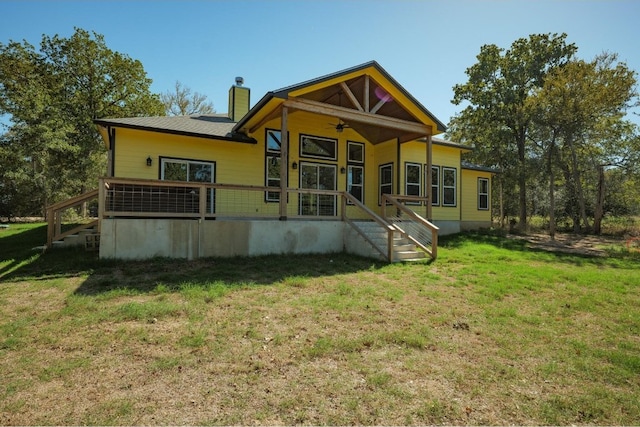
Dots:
(492, 332)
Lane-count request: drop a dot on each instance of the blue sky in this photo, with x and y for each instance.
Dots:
(425, 45)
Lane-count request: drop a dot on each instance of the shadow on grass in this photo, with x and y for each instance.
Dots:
(19, 262)
(172, 274)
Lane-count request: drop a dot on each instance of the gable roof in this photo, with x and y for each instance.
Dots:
(347, 92)
(215, 126)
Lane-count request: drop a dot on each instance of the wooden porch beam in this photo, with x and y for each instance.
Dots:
(284, 162)
(357, 116)
(379, 105)
(351, 96)
(366, 93)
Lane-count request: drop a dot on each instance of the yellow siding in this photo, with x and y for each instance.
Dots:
(236, 163)
(449, 157)
(470, 211)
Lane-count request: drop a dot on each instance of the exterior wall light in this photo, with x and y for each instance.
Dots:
(294, 165)
(343, 170)
(149, 161)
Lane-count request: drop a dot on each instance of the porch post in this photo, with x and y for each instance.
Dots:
(429, 183)
(284, 164)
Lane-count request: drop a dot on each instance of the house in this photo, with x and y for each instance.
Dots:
(344, 162)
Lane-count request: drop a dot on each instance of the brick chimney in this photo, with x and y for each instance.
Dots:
(239, 99)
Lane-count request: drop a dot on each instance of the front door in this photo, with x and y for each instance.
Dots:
(317, 176)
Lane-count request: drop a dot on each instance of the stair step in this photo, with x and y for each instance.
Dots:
(408, 256)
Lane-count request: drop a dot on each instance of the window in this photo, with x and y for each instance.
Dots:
(318, 147)
(273, 178)
(273, 142)
(448, 186)
(385, 180)
(355, 170)
(483, 194)
(412, 172)
(190, 171)
(317, 176)
(435, 185)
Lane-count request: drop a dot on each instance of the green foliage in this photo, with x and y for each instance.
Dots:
(553, 124)
(52, 95)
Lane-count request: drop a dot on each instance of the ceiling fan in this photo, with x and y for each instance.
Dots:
(340, 126)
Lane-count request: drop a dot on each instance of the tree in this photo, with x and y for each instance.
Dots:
(582, 105)
(498, 89)
(53, 95)
(181, 102)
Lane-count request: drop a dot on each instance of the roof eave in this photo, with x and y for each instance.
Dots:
(231, 136)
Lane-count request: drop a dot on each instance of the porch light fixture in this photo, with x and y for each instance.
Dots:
(343, 170)
(294, 165)
(149, 161)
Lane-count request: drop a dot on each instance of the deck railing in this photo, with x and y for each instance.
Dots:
(131, 198)
(399, 212)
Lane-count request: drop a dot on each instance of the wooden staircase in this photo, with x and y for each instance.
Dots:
(403, 249)
(88, 237)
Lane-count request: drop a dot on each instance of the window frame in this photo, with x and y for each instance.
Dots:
(453, 187)
(380, 184)
(331, 156)
(434, 197)
(483, 194)
(353, 164)
(316, 199)
(163, 160)
(272, 155)
(407, 165)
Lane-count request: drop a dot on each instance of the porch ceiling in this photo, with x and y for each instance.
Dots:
(364, 106)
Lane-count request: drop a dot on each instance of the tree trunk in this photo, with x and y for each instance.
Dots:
(599, 208)
(552, 199)
(522, 182)
(578, 185)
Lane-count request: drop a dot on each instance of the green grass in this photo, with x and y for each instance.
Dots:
(492, 332)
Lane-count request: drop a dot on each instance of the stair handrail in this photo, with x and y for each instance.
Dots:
(54, 217)
(346, 196)
(433, 251)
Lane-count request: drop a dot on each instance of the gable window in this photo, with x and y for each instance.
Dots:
(318, 147)
(385, 180)
(273, 140)
(483, 194)
(355, 170)
(435, 185)
(412, 185)
(449, 186)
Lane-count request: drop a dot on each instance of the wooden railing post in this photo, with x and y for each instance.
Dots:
(203, 201)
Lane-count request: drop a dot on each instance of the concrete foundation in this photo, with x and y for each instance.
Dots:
(142, 238)
(190, 239)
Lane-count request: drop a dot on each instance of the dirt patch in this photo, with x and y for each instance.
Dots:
(570, 243)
